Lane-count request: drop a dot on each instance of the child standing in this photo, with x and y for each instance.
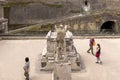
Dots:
(98, 52)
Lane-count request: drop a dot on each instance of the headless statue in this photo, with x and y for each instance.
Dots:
(60, 42)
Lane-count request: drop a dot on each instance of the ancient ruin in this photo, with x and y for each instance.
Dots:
(60, 54)
(84, 16)
(43, 31)
(3, 21)
(60, 48)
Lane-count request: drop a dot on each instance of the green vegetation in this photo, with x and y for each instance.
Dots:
(34, 28)
(46, 27)
(16, 26)
(52, 5)
(12, 4)
(75, 11)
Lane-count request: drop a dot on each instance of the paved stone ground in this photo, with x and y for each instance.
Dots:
(13, 52)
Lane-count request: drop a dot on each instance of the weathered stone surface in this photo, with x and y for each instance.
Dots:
(34, 12)
(3, 21)
(91, 26)
(75, 27)
(1, 11)
(62, 71)
(82, 26)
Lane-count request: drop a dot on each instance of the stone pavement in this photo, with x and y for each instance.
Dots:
(13, 52)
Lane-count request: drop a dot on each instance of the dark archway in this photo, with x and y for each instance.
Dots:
(108, 27)
(86, 3)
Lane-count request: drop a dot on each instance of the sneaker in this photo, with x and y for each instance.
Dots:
(100, 62)
(27, 79)
(88, 52)
(97, 62)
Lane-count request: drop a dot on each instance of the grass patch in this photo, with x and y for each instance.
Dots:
(75, 11)
(12, 4)
(34, 28)
(46, 27)
(16, 26)
(52, 5)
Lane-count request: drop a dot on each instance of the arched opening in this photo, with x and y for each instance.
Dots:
(108, 27)
(86, 5)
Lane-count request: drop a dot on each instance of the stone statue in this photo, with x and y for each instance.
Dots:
(60, 41)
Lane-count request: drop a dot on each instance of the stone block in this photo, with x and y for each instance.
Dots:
(62, 71)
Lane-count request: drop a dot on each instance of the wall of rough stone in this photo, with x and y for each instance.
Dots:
(36, 12)
(92, 23)
(113, 4)
(3, 22)
(1, 11)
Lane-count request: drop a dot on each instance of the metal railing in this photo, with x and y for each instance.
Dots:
(103, 32)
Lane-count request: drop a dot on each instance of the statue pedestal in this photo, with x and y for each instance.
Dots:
(62, 71)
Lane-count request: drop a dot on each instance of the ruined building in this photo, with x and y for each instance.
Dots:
(99, 15)
(3, 21)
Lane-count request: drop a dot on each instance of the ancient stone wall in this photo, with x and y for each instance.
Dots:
(3, 21)
(49, 9)
(92, 24)
(113, 4)
(34, 13)
(1, 11)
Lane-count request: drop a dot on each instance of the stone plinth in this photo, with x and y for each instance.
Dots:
(62, 71)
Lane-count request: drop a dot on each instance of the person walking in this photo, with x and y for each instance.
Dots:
(91, 44)
(98, 52)
(26, 68)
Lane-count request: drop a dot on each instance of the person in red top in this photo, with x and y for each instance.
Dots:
(98, 52)
(91, 43)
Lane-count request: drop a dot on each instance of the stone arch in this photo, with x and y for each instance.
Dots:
(108, 27)
(86, 5)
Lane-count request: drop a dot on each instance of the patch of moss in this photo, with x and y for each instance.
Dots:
(75, 11)
(16, 26)
(12, 4)
(47, 27)
(34, 28)
(97, 18)
(52, 5)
